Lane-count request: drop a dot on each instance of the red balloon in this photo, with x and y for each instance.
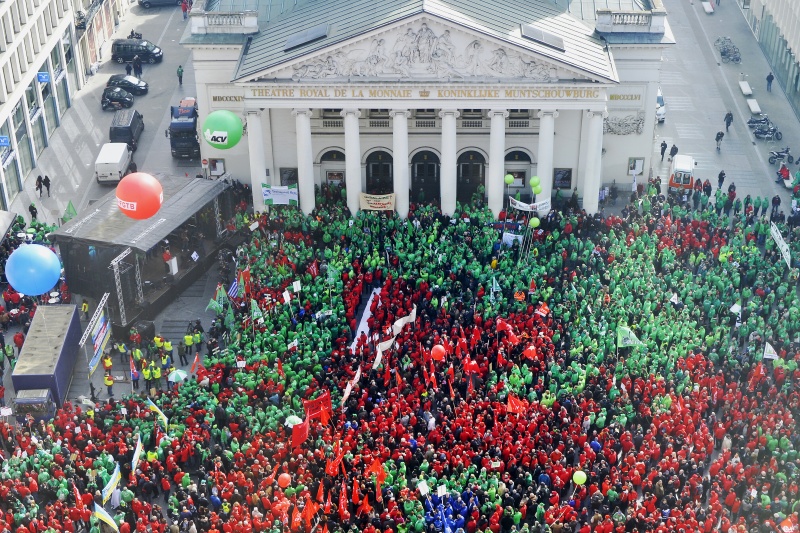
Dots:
(284, 480)
(438, 352)
(139, 195)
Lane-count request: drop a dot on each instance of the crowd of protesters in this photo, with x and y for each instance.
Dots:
(510, 376)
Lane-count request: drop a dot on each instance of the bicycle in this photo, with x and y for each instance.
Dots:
(723, 41)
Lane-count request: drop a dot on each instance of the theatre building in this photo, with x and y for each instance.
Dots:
(430, 99)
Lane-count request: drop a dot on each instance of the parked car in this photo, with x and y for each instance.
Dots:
(127, 127)
(147, 4)
(129, 83)
(116, 98)
(661, 106)
(124, 50)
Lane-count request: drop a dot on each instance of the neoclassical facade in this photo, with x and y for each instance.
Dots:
(429, 99)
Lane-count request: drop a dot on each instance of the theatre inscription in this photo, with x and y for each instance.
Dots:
(401, 93)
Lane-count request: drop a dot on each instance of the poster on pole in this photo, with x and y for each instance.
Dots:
(782, 246)
(101, 333)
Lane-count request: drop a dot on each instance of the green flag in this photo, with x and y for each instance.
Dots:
(214, 306)
(333, 274)
(230, 320)
(626, 337)
(70, 213)
(221, 296)
(255, 310)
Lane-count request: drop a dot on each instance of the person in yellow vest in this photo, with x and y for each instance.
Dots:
(152, 456)
(166, 362)
(107, 362)
(147, 372)
(108, 381)
(188, 341)
(158, 340)
(137, 354)
(123, 352)
(168, 347)
(156, 375)
(85, 309)
(198, 342)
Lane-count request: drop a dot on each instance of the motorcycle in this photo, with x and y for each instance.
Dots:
(762, 121)
(768, 134)
(134, 35)
(780, 155)
(111, 104)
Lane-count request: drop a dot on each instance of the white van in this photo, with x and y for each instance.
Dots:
(113, 162)
(681, 175)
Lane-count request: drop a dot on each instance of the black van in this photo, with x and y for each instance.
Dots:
(124, 50)
(127, 126)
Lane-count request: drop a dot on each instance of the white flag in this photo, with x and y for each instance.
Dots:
(296, 286)
(378, 359)
(674, 298)
(769, 352)
(357, 377)
(287, 297)
(293, 344)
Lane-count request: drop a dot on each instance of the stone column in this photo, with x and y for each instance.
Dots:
(495, 186)
(305, 160)
(352, 149)
(544, 167)
(594, 150)
(448, 171)
(258, 165)
(400, 159)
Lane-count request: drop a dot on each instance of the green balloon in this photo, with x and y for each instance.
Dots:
(534, 222)
(579, 477)
(534, 181)
(537, 189)
(509, 179)
(222, 129)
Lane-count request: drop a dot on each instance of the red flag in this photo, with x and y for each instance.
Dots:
(500, 359)
(321, 493)
(313, 269)
(433, 378)
(790, 525)
(470, 387)
(133, 365)
(530, 352)
(450, 384)
(327, 509)
(398, 379)
(532, 287)
(78, 502)
(515, 405)
(502, 325)
(280, 369)
(296, 519)
(355, 498)
(343, 501)
(309, 511)
(365, 507)
(299, 433)
(332, 467)
(196, 364)
(425, 374)
(325, 525)
(543, 310)
(387, 375)
(271, 478)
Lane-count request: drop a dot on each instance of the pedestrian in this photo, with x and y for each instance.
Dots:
(180, 74)
(85, 309)
(46, 183)
(728, 120)
(770, 77)
(128, 69)
(718, 138)
(673, 152)
(720, 179)
(135, 377)
(663, 149)
(33, 211)
(108, 381)
(147, 372)
(185, 9)
(39, 183)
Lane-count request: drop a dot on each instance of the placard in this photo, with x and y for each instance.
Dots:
(423, 488)
(241, 364)
(296, 286)
(6, 411)
(441, 491)
(377, 202)
(195, 256)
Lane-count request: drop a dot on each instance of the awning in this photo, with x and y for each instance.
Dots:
(104, 224)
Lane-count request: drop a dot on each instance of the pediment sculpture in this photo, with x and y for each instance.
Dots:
(420, 53)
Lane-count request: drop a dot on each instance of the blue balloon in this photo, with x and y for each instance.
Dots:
(33, 269)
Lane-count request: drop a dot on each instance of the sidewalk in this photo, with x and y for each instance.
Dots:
(700, 90)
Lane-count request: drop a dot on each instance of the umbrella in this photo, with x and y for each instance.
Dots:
(176, 376)
(293, 420)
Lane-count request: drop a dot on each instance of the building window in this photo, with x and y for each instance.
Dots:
(30, 98)
(55, 59)
(472, 113)
(425, 113)
(331, 113)
(378, 113)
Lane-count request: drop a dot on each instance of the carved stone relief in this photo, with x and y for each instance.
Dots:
(421, 53)
(626, 125)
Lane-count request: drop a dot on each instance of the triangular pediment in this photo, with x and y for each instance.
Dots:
(424, 48)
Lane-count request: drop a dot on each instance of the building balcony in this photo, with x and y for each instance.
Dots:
(216, 22)
(617, 21)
